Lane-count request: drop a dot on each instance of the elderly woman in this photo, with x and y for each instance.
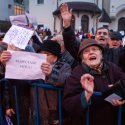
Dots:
(93, 74)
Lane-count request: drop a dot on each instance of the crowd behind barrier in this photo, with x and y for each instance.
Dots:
(44, 35)
(59, 92)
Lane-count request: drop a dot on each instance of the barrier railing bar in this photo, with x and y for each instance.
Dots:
(119, 111)
(59, 92)
(60, 106)
(17, 106)
(1, 118)
(49, 86)
(119, 115)
(36, 106)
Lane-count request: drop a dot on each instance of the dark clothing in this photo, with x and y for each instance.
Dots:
(22, 91)
(116, 56)
(67, 57)
(48, 98)
(101, 112)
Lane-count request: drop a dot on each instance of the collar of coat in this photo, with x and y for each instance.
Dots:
(103, 67)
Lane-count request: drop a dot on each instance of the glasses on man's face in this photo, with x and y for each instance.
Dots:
(88, 50)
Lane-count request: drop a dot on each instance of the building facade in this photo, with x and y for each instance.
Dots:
(91, 15)
(11, 7)
(87, 14)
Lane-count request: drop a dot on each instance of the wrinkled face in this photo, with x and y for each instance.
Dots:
(102, 37)
(50, 57)
(114, 43)
(92, 56)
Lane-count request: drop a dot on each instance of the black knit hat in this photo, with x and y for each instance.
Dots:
(116, 36)
(52, 47)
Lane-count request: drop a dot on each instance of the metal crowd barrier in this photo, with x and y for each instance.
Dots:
(59, 93)
(119, 111)
(36, 85)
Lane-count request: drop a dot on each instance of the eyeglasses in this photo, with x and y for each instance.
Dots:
(88, 50)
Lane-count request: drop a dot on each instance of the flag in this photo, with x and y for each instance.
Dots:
(92, 30)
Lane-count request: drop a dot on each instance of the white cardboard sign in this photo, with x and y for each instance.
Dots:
(18, 36)
(25, 65)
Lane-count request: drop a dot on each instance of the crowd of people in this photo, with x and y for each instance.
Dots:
(79, 66)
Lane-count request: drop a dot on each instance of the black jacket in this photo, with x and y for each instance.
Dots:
(101, 112)
(116, 56)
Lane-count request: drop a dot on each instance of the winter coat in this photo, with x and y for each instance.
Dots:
(75, 104)
(110, 54)
(61, 70)
(67, 57)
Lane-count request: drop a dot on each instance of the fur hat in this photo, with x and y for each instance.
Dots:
(86, 43)
(52, 47)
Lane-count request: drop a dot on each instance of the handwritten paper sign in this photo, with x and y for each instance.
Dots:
(25, 65)
(18, 19)
(32, 19)
(18, 36)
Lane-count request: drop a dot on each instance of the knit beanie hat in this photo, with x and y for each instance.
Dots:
(52, 47)
(116, 36)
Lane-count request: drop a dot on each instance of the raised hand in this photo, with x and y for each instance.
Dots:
(66, 15)
(10, 112)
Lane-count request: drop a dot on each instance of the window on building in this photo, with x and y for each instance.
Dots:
(84, 23)
(73, 22)
(40, 1)
(106, 26)
(19, 1)
(121, 24)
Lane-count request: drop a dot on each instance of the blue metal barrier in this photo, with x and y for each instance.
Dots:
(51, 87)
(0, 111)
(119, 111)
(17, 105)
(59, 92)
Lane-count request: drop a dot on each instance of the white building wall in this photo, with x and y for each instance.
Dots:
(58, 24)
(100, 4)
(43, 12)
(114, 24)
(116, 6)
(5, 12)
(91, 1)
